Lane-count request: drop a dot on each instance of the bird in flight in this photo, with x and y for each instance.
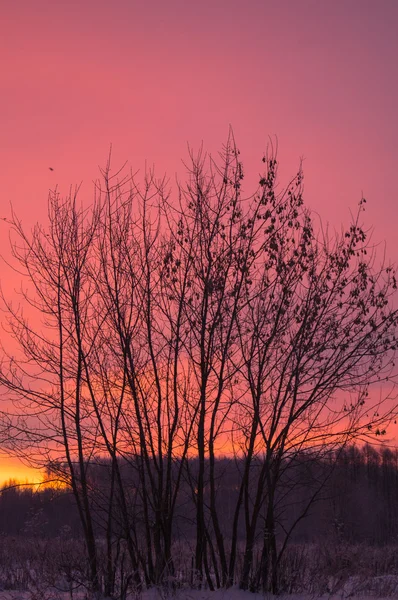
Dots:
(51, 169)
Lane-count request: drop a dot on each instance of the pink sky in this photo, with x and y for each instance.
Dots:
(150, 76)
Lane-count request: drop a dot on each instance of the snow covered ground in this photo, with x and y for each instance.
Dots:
(188, 594)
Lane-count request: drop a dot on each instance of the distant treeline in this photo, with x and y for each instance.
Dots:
(358, 502)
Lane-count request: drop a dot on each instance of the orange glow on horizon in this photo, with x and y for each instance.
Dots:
(12, 469)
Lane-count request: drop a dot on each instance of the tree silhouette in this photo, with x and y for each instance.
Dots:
(190, 325)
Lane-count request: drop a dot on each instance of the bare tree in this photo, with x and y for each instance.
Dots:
(174, 330)
(318, 331)
(47, 381)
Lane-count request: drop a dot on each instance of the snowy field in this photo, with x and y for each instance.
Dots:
(231, 594)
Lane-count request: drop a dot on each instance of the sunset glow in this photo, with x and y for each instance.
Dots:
(11, 469)
(151, 77)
